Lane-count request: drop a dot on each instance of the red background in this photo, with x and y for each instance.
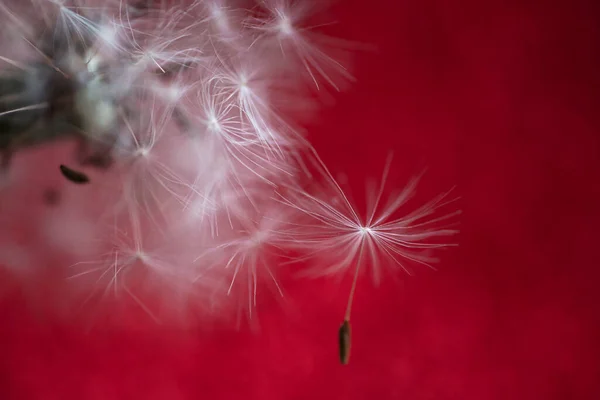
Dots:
(499, 98)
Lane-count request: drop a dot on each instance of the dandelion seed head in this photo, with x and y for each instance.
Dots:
(186, 101)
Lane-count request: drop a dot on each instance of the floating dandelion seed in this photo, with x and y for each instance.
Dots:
(337, 231)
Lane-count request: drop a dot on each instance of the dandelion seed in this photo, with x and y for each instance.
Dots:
(74, 176)
(344, 342)
(338, 232)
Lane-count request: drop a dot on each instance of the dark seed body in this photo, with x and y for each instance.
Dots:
(344, 342)
(74, 176)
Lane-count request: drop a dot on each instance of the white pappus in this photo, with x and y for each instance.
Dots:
(182, 106)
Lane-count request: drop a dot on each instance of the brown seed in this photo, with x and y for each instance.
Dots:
(74, 176)
(344, 342)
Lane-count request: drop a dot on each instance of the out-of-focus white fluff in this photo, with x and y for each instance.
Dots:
(193, 210)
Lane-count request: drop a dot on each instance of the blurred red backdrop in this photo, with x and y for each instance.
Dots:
(500, 98)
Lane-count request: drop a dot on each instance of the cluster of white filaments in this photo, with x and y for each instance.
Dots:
(207, 194)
